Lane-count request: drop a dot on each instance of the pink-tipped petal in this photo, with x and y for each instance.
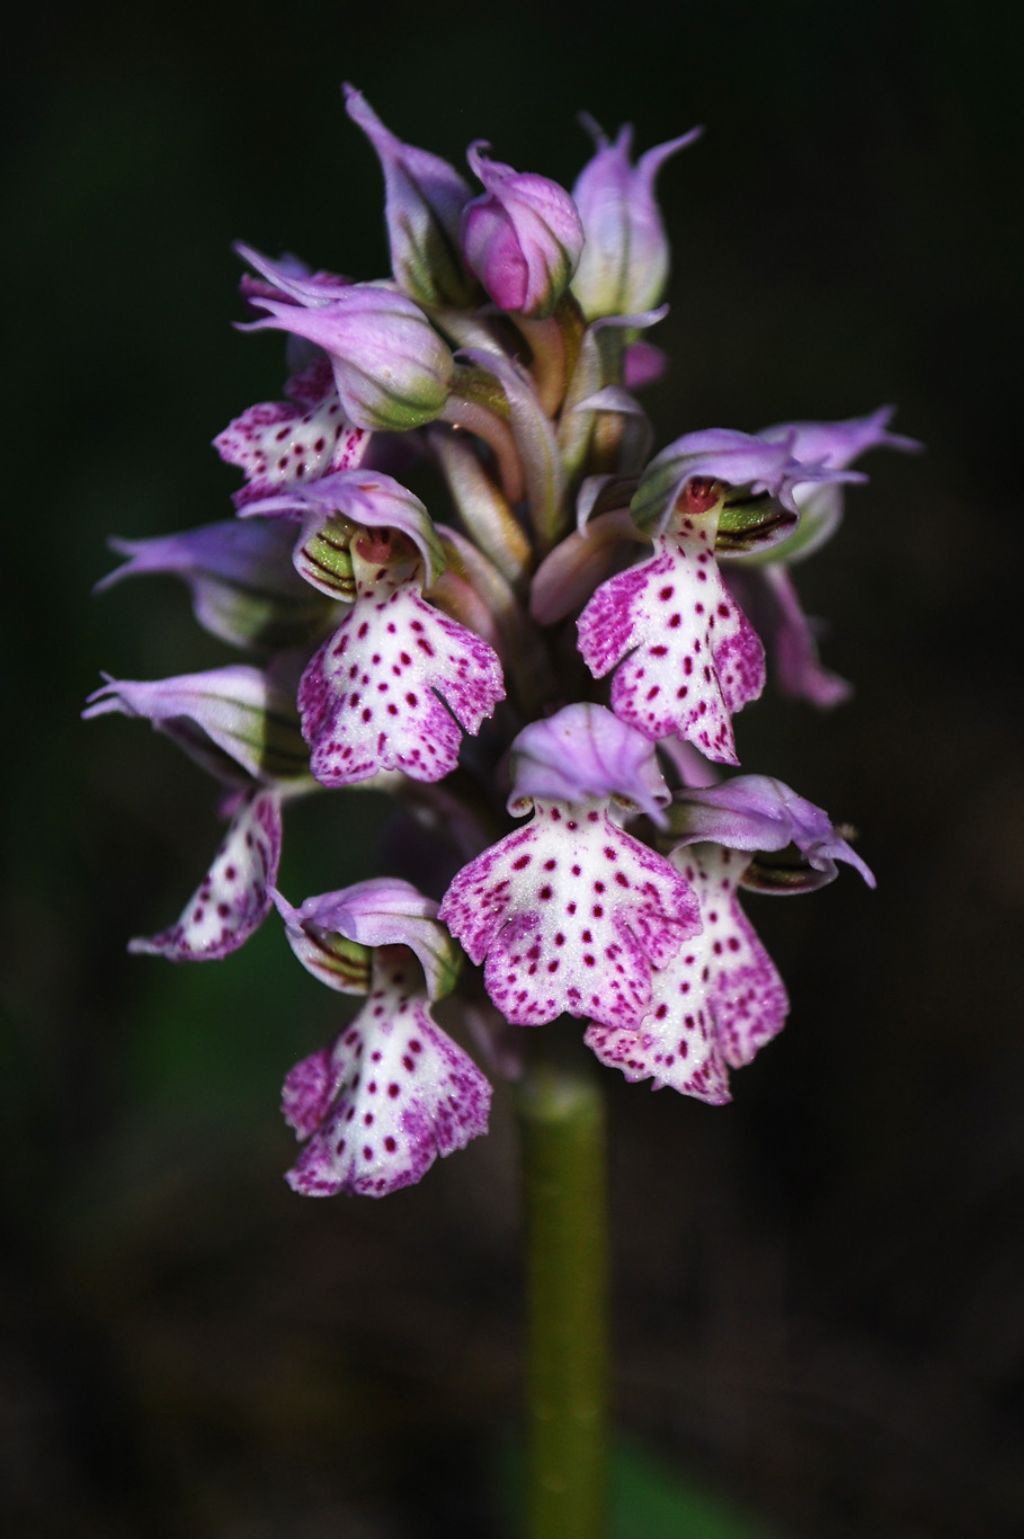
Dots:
(760, 813)
(244, 589)
(230, 719)
(383, 911)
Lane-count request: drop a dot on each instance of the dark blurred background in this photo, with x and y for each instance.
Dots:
(818, 1290)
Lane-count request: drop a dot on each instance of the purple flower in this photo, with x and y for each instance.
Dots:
(278, 444)
(424, 200)
(570, 913)
(715, 1003)
(391, 369)
(240, 575)
(720, 998)
(624, 264)
(371, 697)
(760, 813)
(522, 237)
(393, 1091)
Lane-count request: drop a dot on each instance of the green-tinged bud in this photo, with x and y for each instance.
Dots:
(424, 200)
(391, 368)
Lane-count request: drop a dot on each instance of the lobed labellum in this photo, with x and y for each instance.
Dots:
(392, 1094)
(233, 899)
(570, 914)
(716, 1002)
(687, 658)
(369, 698)
(278, 444)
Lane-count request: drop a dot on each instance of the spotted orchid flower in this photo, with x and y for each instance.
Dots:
(720, 998)
(686, 658)
(239, 723)
(376, 1108)
(571, 913)
(391, 688)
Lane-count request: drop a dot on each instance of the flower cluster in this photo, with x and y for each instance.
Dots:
(453, 656)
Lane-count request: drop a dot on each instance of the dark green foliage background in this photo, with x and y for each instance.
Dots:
(816, 1288)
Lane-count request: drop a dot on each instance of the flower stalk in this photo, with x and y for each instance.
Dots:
(562, 1124)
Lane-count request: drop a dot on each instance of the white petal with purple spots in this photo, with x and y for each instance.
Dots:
(688, 657)
(392, 1094)
(715, 1003)
(570, 914)
(369, 697)
(278, 444)
(233, 899)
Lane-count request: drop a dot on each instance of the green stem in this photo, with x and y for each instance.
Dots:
(563, 1130)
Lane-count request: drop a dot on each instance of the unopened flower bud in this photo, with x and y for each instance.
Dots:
(625, 260)
(522, 237)
(424, 199)
(391, 368)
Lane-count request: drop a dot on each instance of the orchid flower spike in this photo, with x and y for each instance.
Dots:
(590, 859)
